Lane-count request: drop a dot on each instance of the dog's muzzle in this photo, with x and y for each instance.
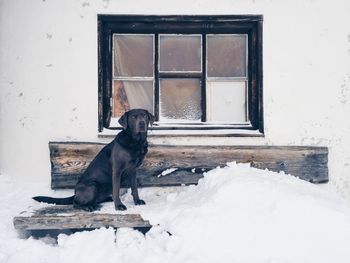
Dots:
(142, 126)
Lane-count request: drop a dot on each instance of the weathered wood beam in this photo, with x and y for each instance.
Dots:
(60, 217)
(70, 159)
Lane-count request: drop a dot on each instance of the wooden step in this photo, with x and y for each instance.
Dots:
(63, 217)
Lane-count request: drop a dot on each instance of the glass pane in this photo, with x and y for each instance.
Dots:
(133, 55)
(129, 95)
(180, 100)
(180, 53)
(226, 56)
(226, 101)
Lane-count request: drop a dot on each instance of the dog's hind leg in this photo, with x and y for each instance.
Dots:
(85, 197)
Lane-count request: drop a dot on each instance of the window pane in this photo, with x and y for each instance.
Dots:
(226, 101)
(180, 53)
(180, 100)
(129, 95)
(226, 56)
(133, 55)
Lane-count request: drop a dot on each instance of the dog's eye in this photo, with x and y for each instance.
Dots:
(133, 117)
(143, 115)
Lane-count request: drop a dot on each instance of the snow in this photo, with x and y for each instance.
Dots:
(235, 214)
(167, 171)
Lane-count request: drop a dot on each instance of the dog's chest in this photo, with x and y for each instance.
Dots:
(138, 155)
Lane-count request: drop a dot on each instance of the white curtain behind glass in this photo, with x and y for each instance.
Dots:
(133, 59)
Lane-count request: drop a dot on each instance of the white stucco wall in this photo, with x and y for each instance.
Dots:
(48, 76)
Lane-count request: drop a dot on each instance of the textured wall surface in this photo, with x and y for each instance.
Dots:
(48, 76)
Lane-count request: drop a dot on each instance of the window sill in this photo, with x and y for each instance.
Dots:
(191, 133)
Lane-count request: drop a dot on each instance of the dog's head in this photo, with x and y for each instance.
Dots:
(136, 121)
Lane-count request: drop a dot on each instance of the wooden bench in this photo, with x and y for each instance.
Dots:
(70, 159)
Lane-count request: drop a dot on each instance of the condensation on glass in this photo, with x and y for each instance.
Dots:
(180, 53)
(133, 73)
(227, 76)
(180, 100)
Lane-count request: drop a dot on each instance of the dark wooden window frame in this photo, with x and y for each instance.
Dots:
(252, 25)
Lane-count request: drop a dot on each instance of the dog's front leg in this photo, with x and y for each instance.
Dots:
(133, 184)
(116, 175)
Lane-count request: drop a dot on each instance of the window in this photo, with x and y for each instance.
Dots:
(191, 72)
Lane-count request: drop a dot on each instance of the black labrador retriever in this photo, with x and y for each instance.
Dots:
(119, 159)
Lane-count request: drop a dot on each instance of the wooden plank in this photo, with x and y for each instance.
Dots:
(70, 159)
(66, 217)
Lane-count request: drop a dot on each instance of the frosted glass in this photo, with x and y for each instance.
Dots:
(129, 95)
(226, 56)
(226, 101)
(180, 53)
(133, 55)
(180, 100)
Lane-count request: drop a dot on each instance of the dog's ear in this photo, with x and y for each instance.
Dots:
(123, 120)
(151, 118)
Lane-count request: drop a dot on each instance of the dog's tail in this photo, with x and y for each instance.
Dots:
(52, 200)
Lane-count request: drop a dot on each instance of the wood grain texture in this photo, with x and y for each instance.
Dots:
(66, 217)
(70, 159)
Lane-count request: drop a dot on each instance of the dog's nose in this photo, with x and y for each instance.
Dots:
(142, 124)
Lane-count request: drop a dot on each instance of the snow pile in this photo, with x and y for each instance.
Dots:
(235, 214)
(167, 171)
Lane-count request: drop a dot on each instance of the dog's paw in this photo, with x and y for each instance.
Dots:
(139, 202)
(88, 208)
(120, 207)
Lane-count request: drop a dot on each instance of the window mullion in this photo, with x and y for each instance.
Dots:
(203, 79)
(156, 77)
(180, 75)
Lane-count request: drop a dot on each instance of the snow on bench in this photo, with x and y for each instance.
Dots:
(164, 166)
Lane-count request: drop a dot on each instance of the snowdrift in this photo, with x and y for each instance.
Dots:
(235, 214)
